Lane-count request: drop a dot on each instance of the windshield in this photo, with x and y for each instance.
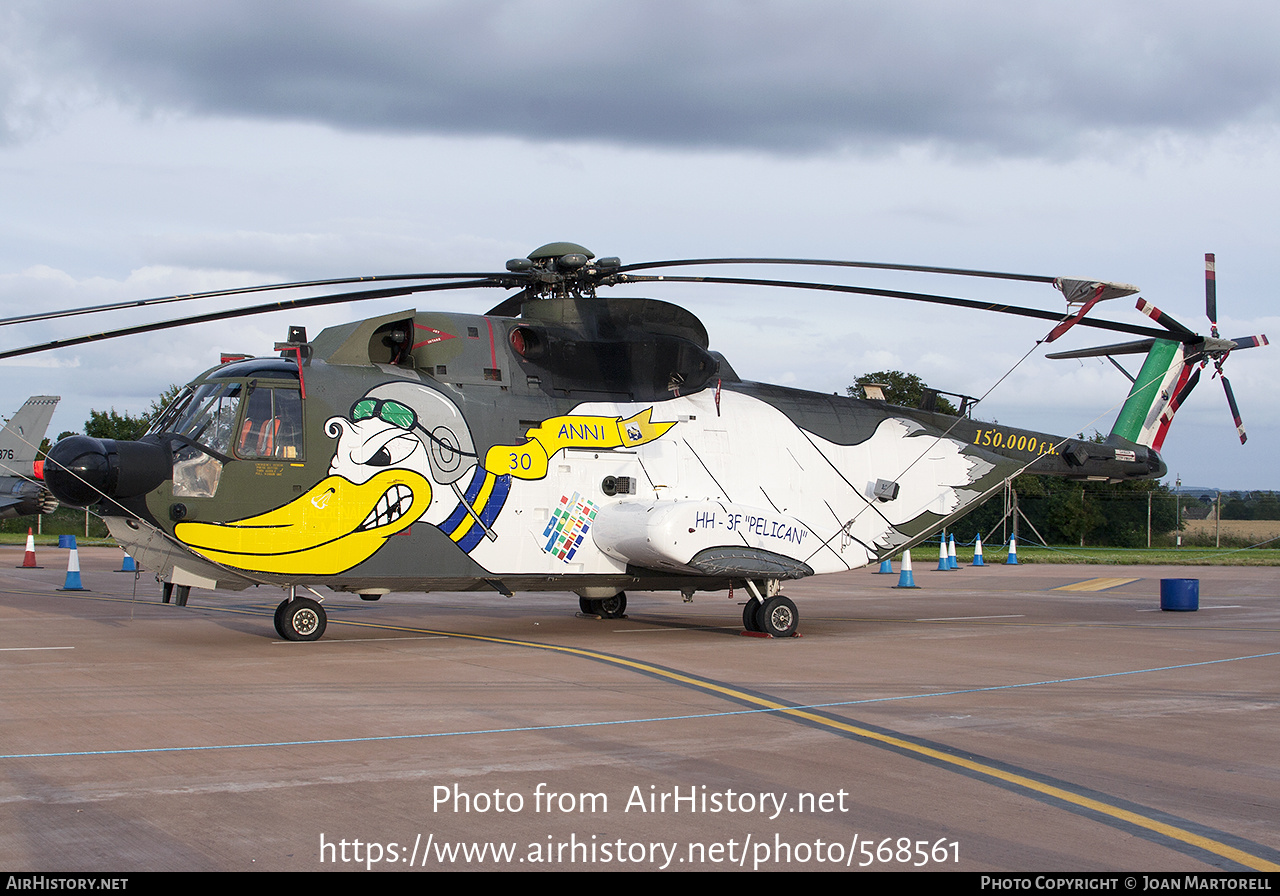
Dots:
(206, 416)
(164, 422)
(206, 419)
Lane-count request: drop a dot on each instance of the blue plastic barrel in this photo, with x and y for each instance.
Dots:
(1179, 594)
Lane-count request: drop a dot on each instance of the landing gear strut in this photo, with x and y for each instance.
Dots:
(300, 619)
(177, 593)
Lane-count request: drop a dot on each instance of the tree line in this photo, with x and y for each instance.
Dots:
(126, 427)
(1250, 505)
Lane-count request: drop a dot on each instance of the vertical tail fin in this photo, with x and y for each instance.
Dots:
(20, 439)
(1163, 384)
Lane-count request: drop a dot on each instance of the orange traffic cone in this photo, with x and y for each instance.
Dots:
(29, 558)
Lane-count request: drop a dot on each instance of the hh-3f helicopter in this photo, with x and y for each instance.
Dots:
(568, 441)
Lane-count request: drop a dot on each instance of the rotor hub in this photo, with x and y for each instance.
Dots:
(562, 270)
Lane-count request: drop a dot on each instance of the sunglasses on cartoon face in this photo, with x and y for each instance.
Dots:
(445, 447)
(386, 410)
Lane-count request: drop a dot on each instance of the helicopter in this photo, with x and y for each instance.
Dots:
(569, 441)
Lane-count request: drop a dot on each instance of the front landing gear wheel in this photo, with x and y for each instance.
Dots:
(750, 615)
(301, 619)
(778, 617)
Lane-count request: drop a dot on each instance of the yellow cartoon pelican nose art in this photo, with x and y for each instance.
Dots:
(397, 449)
(334, 526)
(398, 438)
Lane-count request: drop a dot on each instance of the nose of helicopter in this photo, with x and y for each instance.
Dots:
(82, 470)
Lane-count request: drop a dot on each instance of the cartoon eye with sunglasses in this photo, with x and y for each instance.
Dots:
(436, 422)
(450, 450)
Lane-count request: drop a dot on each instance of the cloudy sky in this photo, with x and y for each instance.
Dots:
(149, 148)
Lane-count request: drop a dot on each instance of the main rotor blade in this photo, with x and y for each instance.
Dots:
(310, 302)
(1102, 351)
(1235, 411)
(872, 265)
(244, 290)
(1095, 292)
(911, 296)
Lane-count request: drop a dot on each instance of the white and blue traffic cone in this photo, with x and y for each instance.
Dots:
(73, 572)
(951, 553)
(943, 564)
(127, 565)
(1012, 559)
(977, 552)
(886, 568)
(906, 580)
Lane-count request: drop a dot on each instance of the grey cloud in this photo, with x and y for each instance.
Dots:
(1016, 78)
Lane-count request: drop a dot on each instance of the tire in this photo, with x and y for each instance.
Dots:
(613, 607)
(750, 615)
(778, 617)
(301, 619)
(279, 620)
(588, 606)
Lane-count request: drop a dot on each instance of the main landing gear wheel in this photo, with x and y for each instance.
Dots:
(300, 619)
(606, 607)
(777, 616)
(613, 607)
(750, 610)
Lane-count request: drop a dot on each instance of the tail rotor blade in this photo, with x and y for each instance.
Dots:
(1185, 391)
(1167, 322)
(1235, 411)
(1211, 293)
(1250, 341)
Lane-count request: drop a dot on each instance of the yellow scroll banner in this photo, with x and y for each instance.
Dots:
(529, 461)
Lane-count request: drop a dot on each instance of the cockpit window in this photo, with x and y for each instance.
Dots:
(207, 428)
(205, 423)
(272, 425)
(209, 418)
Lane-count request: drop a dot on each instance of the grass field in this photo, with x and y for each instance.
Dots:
(1245, 531)
(1185, 556)
(51, 540)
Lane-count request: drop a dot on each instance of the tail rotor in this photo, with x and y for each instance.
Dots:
(1200, 350)
(1162, 387)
